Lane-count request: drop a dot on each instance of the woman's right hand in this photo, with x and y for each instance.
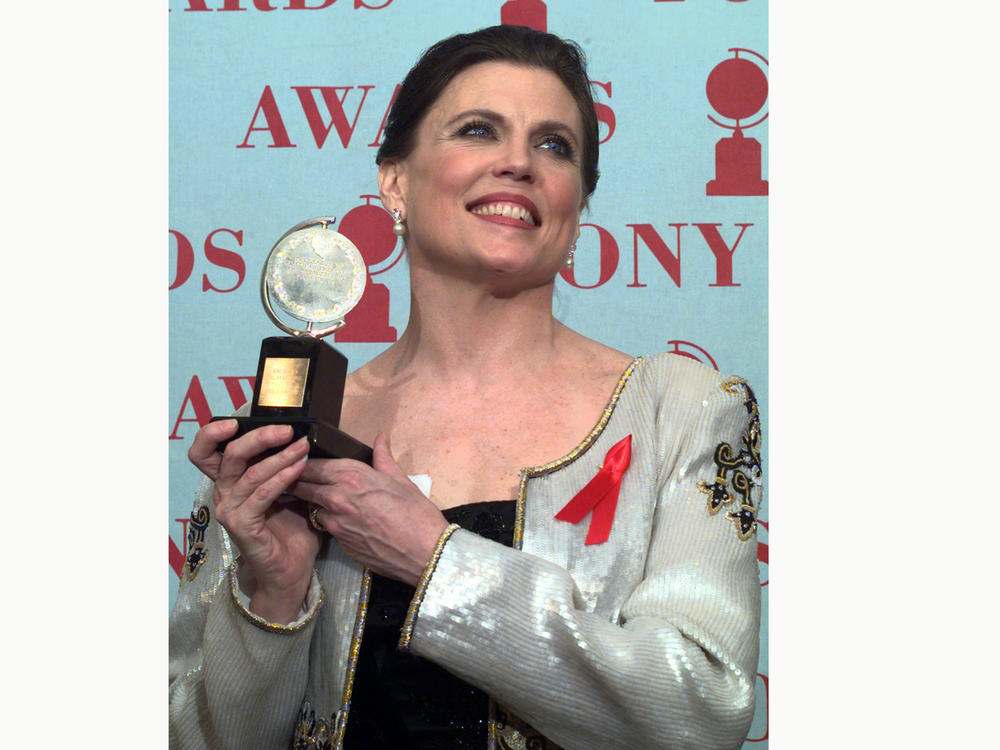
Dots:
(277, 545)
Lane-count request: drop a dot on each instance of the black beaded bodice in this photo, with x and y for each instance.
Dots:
(403, 701)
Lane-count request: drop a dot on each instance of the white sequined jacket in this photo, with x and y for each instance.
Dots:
(648, 640)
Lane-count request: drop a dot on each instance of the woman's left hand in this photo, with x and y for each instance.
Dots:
(378, 515)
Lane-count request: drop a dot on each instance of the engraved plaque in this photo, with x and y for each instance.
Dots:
(283, 382)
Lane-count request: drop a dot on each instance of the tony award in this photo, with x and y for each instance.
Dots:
(315, 275)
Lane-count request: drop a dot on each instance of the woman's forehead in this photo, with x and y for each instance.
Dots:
(510, 90)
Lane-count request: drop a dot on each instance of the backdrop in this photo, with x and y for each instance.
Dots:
(277, 109)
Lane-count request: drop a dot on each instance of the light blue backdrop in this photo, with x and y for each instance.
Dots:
(234, 63)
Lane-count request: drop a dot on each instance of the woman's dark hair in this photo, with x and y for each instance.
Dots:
(516, 44)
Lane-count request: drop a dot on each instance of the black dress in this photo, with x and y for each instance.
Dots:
(400, 700)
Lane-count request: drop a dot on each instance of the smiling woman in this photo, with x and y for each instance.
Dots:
(484, 157)
(539, 559)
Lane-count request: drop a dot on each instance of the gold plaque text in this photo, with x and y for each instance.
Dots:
(284, 381)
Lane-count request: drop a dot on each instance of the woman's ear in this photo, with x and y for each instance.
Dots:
(392, 185)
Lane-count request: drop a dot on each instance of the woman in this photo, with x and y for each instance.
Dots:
(562, 623)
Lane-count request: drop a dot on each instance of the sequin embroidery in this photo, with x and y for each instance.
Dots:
(738, 475)
(340, 725)
(311, 733)
(196, 542)
(512, 733)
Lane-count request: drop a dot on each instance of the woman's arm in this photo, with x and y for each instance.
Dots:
(236, 680)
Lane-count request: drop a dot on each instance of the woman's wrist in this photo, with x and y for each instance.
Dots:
(277, 613)
(430, 548)
(280, 611)
(280, 605)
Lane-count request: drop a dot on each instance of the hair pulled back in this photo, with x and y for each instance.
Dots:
(515, 44)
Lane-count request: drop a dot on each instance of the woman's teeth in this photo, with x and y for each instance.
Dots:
(505, 209)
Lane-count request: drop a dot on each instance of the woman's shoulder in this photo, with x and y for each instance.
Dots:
(583, 354)
(681, 378)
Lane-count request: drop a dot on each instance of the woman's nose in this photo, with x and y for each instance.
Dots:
(515, 161)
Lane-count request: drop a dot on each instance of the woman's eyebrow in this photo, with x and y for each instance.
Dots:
(483, 114)
(555, 125)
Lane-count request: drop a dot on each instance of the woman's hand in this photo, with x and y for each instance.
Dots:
(277, 546)
(378, 515)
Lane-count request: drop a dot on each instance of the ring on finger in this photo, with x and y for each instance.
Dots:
(314, 518)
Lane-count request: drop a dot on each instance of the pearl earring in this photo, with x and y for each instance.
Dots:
(569, 258)
(398, 228)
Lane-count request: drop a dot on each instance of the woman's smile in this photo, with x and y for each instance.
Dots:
(505, 208)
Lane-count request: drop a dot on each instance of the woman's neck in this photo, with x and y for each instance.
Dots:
(464, 327)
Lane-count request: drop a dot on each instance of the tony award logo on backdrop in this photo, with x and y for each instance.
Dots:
(369, 227)
(737, 89)
(530, 13)
(692, 351)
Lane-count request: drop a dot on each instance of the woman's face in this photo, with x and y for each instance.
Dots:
(493, 185)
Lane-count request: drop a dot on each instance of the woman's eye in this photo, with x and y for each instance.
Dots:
(558, 145)
(481, 129)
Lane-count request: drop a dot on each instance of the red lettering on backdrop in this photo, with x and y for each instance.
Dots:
(185, 259)
(722, 252)
(530, 13)
(236, 393)
(275, 125)
(195, 396)
(301, 5)
(176, 558)
(608, 260)
(229, 5)
(604, 113)
(335, 106)
(385, 118)
(215, 255)
(671, 263)
(292, 5)
(223, 258)
(334, 98)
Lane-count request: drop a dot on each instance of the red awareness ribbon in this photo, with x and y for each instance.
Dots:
(600, 494)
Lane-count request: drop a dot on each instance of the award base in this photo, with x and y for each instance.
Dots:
(300, 382)
(737, 168)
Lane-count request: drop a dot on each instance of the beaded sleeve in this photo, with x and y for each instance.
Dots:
(233, 682)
